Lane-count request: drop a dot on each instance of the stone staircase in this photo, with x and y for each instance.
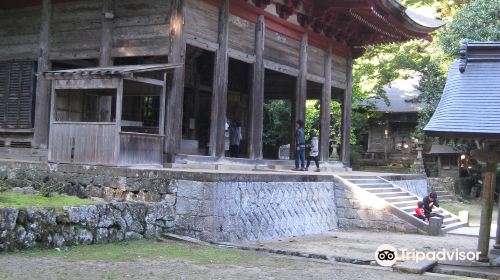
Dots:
(401, 202)
(443, 194)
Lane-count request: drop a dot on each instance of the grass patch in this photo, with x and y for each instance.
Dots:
(16, 200)
(148, 249)
(451, 207)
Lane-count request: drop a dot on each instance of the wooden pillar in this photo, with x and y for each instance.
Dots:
(177, 52)
(119, 99)
(257, 99)
(105, 55)
(42, 104)
(347, 115)
(483, 245)
(106, 34)
(219, 94)
(326, 102)
(299, 99)
(301, 90)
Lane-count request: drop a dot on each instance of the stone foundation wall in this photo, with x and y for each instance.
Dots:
(231, 207)
(354, 212)
(448, 183)
(247, 211)
(33, 227)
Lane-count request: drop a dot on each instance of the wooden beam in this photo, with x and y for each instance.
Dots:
(173, 123)
(146, 80)
(219, 94)
(347, 115)
(326, 101)
(257, 99)
(41, 125)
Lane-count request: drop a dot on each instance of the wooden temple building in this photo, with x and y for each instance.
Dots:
(474, 85)
(389, 134)
(125, 82)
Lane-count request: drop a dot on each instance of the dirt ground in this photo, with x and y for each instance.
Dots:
(177, 260)
(474, 208)
(359, 244)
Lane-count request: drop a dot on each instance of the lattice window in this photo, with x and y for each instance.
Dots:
(16, 94)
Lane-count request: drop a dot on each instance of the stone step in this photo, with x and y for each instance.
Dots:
(363, 181)
(442, 192)
(406, 203)
(376, 185)
(390, 194)
(450, 220)
(453, 226)
(399, 198)
(381, 190)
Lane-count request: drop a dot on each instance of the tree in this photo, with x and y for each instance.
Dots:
(479, 21)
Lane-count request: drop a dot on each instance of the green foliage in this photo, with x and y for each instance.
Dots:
(478, 21)
(277, 117)
(313, 117)
(5, 185)
(431, 86)
(16, 200)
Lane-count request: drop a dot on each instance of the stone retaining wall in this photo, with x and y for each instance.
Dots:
(233, 207)
(34, 227)
(247, 211)
(356, 211)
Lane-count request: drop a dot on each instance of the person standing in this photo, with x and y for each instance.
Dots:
(235, 138)
(314, 152)
(300, 145)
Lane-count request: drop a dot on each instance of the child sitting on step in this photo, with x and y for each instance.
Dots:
(419, 212)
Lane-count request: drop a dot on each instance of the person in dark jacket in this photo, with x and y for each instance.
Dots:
(429, 202)
(300, 146)
(235, 137)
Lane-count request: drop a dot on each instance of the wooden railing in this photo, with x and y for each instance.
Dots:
(140, 148)
(83, 142)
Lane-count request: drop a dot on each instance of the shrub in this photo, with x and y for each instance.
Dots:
(5, 185)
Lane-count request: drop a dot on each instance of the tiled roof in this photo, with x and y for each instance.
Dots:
(470, 105)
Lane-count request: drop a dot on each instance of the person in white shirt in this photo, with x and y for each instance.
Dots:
(314, 151)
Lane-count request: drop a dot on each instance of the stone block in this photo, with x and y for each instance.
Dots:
(435, 226)
(8, 218)
(415, 267)
(84, 236)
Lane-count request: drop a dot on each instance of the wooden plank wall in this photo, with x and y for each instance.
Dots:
(281, 49)
(90, 142)
(75, 30)
(241, 35)
(315, 61)
(141, 28)
(140, 148)
(339, 72)
(202, 22)
(20, 33)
